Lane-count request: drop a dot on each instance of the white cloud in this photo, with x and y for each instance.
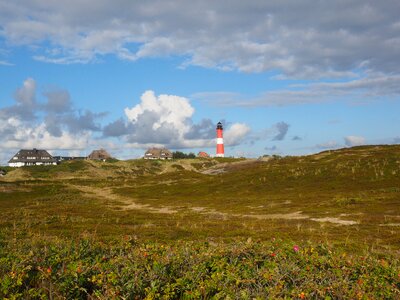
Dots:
(26, 94)
(25, 136)
(53, 124)
(373, 87)
(352, 140)
(170, 109)
(299, 39)
(167, 120)
(6, 63)
(236, 133)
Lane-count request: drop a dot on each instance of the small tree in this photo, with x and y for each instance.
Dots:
(180, 155)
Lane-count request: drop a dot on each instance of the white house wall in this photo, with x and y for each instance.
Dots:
(23, 164)
(16, 164)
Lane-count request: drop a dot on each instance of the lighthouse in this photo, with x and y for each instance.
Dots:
(220, 141)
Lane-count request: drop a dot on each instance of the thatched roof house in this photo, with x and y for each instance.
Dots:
(34, 157)
(99, 155)
(158, 153)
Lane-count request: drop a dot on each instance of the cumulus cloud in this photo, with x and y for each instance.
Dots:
(157, 120)
(282, 129)
(167, 120)
(236, 133)
(205, 130)
(25, 96)
(51, 124)
(301, 39)
(352, 140)
(276, 132)
(40, 137)
(58, 101)
(25, 102)
(168, 109)
(116, 128)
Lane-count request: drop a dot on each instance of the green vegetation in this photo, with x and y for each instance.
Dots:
(344, 204)
(181, 155)
(192, 270)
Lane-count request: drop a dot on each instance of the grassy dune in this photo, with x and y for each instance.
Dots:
(346, 201)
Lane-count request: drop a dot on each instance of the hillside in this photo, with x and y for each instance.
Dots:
(348, 196)
(319, 226)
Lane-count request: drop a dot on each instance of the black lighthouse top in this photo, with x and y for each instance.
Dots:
(219, 125)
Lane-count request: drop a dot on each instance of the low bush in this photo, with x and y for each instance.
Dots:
(192, 270)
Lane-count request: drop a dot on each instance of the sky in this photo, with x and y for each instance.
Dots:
(284, 77)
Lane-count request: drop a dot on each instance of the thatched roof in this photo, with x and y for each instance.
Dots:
(32, 155)
(99, 155)
(158, 153)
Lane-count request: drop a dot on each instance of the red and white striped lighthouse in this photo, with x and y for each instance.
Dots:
(220, 141)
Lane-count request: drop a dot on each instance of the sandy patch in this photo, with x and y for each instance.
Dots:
(214, 171)
(255, 207)
(334, 221)
(289, 216)
(107, 195)
(212, 212)
(198, 209)
(128, 204)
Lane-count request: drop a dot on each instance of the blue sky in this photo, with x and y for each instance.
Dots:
(285, 78)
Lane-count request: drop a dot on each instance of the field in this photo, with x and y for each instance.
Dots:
(319, 226)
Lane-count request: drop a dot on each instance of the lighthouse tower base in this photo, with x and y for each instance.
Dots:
(220, 155)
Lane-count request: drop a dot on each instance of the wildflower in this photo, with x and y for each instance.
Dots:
(302, 295)
(48, 270)
(296, 248)
(273, 254)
